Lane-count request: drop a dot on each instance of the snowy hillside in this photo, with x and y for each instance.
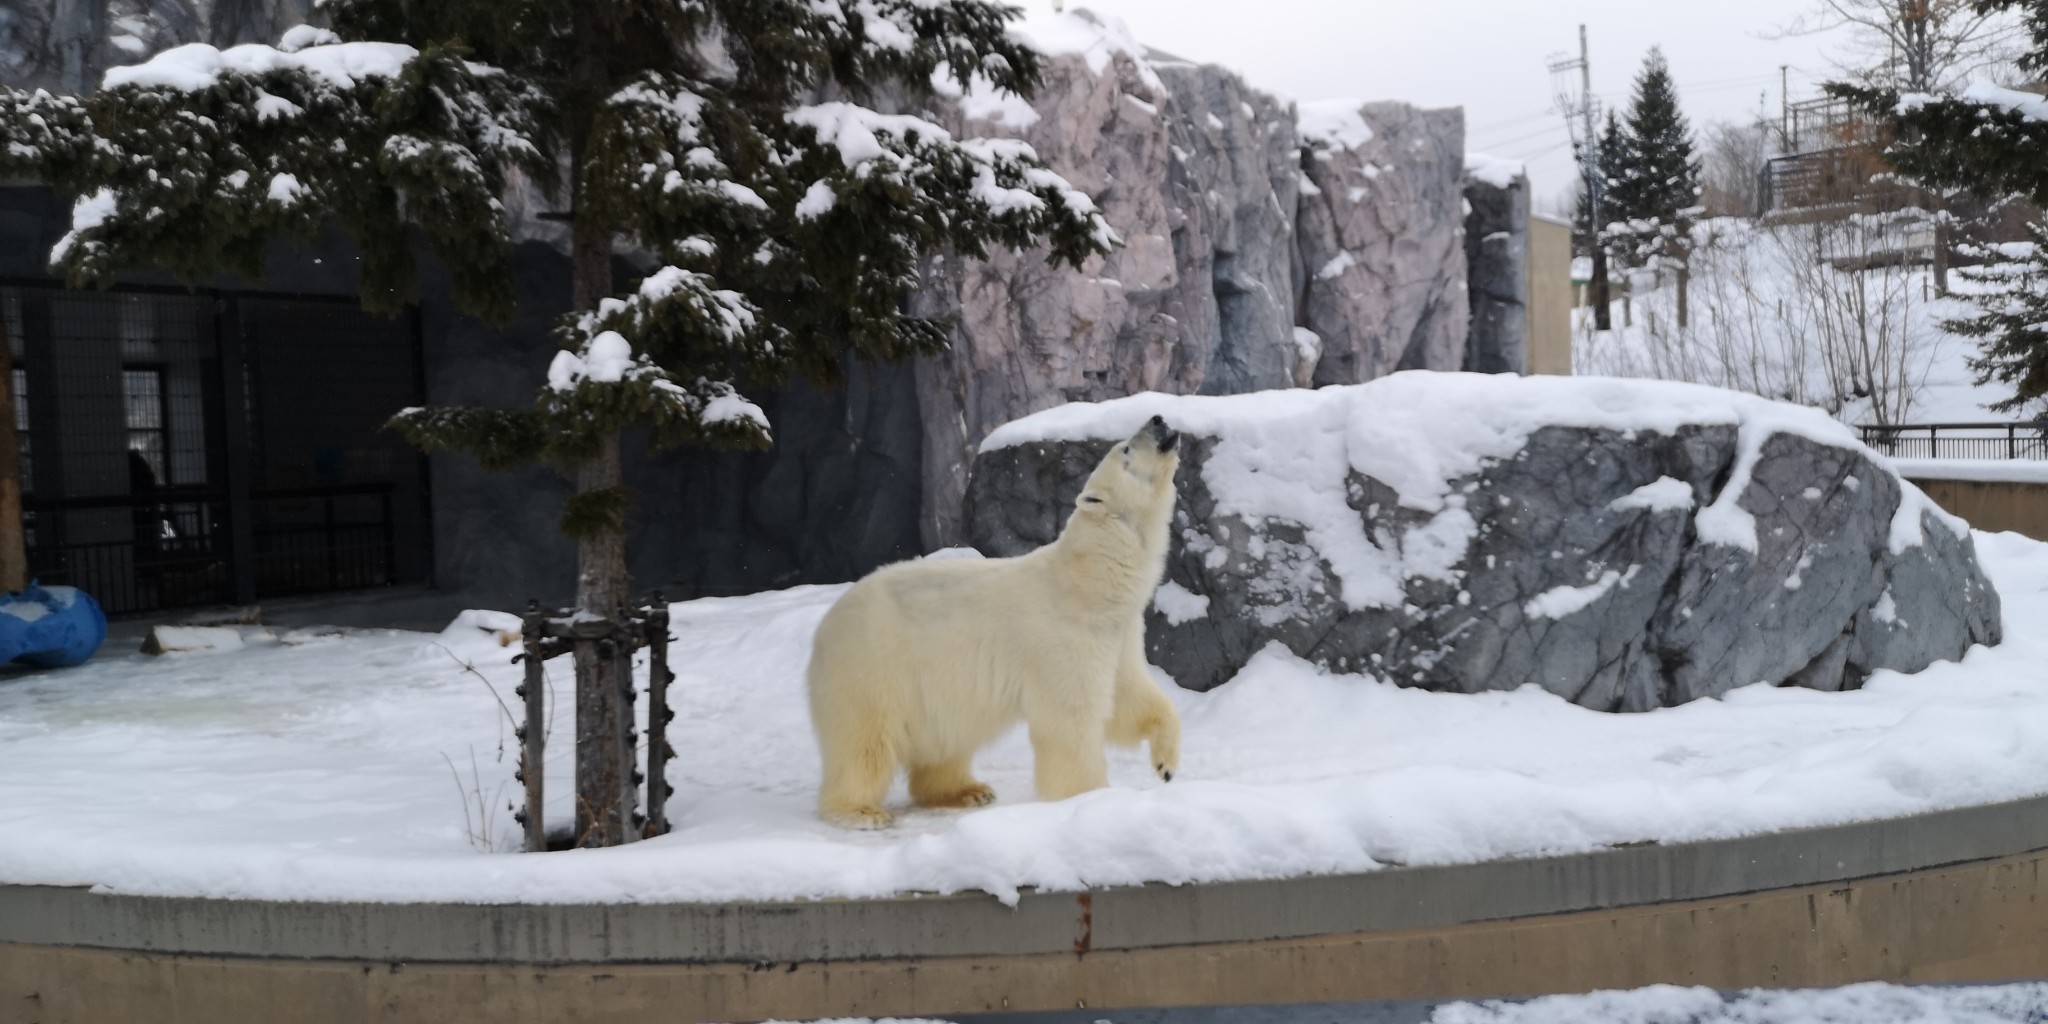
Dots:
(1768, 318)
(335, 766)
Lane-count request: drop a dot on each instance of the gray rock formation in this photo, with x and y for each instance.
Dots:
(1382, 259)
(1497, 262)
(1585, 572)
(1196, 171)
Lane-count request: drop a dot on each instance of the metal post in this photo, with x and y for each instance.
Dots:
(626, 632)
(658, 716)
(533, 735)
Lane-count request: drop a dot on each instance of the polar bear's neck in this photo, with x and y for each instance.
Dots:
(1115, 569)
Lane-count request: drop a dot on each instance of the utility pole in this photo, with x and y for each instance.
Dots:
(1581, 110)
(1785, 107)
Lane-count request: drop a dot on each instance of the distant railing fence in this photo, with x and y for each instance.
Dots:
(1960, 440)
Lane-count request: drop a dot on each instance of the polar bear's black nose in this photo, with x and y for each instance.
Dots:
(1163, 437)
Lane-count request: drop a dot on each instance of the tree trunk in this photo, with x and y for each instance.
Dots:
(1602, 315)
(604, 788)
(1684, 274)
(13, 551)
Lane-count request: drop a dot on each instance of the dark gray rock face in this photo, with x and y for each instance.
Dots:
(1585, 572)
(1497, 266)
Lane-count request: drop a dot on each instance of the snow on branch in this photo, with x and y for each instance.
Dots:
(603, 383)
(682, 319)
(192, 161)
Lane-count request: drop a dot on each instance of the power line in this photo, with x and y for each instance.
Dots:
(1537, 134)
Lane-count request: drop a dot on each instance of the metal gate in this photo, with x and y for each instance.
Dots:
(186, 447)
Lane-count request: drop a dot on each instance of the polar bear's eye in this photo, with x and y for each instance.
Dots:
(1091, 499)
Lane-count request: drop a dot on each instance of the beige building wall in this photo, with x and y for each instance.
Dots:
(1550, 295)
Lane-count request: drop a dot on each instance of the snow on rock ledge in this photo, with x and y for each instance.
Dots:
(1624, 544)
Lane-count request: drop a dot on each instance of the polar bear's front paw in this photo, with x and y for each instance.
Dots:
(1165, 773)
(865, 819)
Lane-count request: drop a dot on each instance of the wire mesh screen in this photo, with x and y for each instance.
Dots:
(134, 479)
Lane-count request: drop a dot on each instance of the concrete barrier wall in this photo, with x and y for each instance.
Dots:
(1995, 505)
(1550, 296)
(1950, 896)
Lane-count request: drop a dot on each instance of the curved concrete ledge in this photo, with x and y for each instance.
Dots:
(1953, 896)
(1140, 917)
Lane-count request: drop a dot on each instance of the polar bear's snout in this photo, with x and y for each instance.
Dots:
(1163, 437)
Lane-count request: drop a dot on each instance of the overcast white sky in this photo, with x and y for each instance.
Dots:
(1489, 56)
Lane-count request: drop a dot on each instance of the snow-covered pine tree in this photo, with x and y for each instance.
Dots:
(2010, 290)
(1992, 142)
(735, 141)
(1655, 188)
(1653, 194)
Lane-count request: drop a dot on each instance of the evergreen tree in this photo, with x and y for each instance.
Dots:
(1992, 142)
(2011, 295)
(1654, 184)
(734, 140)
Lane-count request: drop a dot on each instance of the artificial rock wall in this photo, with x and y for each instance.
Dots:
(1262, 249)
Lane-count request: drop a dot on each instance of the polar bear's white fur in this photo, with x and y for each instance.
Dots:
(923, 663)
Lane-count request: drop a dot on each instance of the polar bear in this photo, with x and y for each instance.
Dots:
(923, 663)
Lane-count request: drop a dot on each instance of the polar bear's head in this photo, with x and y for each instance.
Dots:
(1133, 485)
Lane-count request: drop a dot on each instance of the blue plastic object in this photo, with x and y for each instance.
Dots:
(50, 627)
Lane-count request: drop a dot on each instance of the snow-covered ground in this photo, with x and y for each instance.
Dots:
(1669, 1004)
(334, 766)
(1852, 1004)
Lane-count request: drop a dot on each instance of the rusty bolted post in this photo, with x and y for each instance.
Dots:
(625, 641)
(658, 716)
(533, 735)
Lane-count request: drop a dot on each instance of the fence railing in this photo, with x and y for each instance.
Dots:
(173, 548)
(1960, 440)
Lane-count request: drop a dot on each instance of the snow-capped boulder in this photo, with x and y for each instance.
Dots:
(1380, 238)
(1624, 544)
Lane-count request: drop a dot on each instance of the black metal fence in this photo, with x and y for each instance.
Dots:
(180, 551)
(192, 447)
(1960, 440)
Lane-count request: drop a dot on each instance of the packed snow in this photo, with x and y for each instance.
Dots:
(1870, 1003)
(1094, 38)
(1873, 1003)
(1495, 171)
(1337, 124)
(330, 765)
(2013, 471)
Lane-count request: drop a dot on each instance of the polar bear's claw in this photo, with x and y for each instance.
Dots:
(1165, 774)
